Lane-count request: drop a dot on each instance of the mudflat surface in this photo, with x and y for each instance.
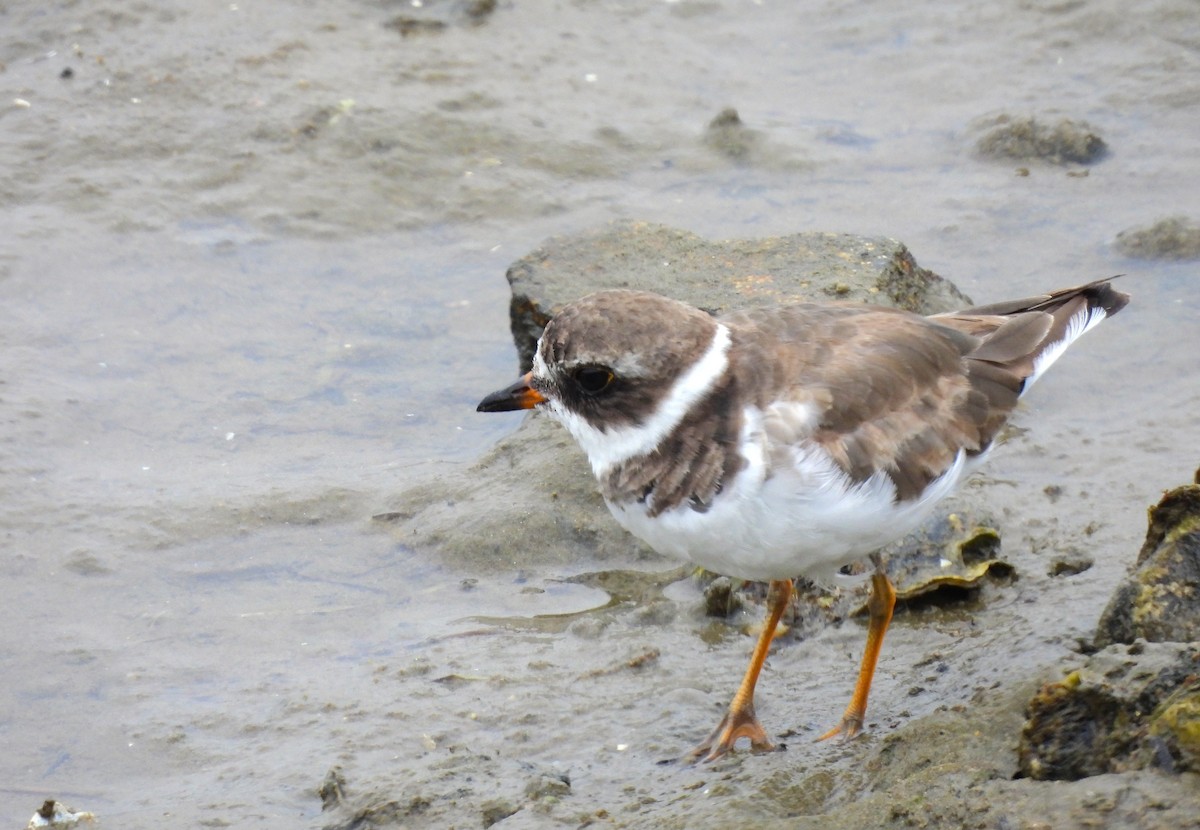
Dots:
(251, 288)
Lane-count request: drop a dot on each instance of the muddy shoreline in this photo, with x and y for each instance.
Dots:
(252, 288)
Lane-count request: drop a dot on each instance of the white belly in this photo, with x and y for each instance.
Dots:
(806, 519)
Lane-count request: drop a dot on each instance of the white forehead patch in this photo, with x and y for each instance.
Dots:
(539, 365)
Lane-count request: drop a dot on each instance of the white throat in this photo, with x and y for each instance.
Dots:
(605, 449)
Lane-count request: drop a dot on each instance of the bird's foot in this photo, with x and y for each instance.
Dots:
(850, 725)
(737, 724)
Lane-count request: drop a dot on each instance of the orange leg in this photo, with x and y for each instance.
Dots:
(740, 721)
(879, 607)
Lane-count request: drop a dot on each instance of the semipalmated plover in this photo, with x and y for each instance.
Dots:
(789, 441)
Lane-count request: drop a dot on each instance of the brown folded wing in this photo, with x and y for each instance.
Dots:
(896, 392)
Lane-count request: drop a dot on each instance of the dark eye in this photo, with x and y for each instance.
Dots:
(592, 379)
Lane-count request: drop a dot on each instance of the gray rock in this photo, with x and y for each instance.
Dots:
(529, 502)
(548, 785)
(718, 276)
(728, 135)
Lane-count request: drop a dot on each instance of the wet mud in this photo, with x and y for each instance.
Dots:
(252, 286)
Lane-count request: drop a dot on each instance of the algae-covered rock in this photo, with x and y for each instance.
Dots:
(1174, 735)
(1126, 707)
(1160, 602)
(1025, 138)
(1172, 238)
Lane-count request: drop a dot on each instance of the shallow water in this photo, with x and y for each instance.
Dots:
(252, 288)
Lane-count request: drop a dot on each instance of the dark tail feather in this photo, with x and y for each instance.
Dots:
(1023, 337)
(1099, 294)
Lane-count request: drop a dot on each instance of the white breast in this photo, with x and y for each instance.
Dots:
(798, 516)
